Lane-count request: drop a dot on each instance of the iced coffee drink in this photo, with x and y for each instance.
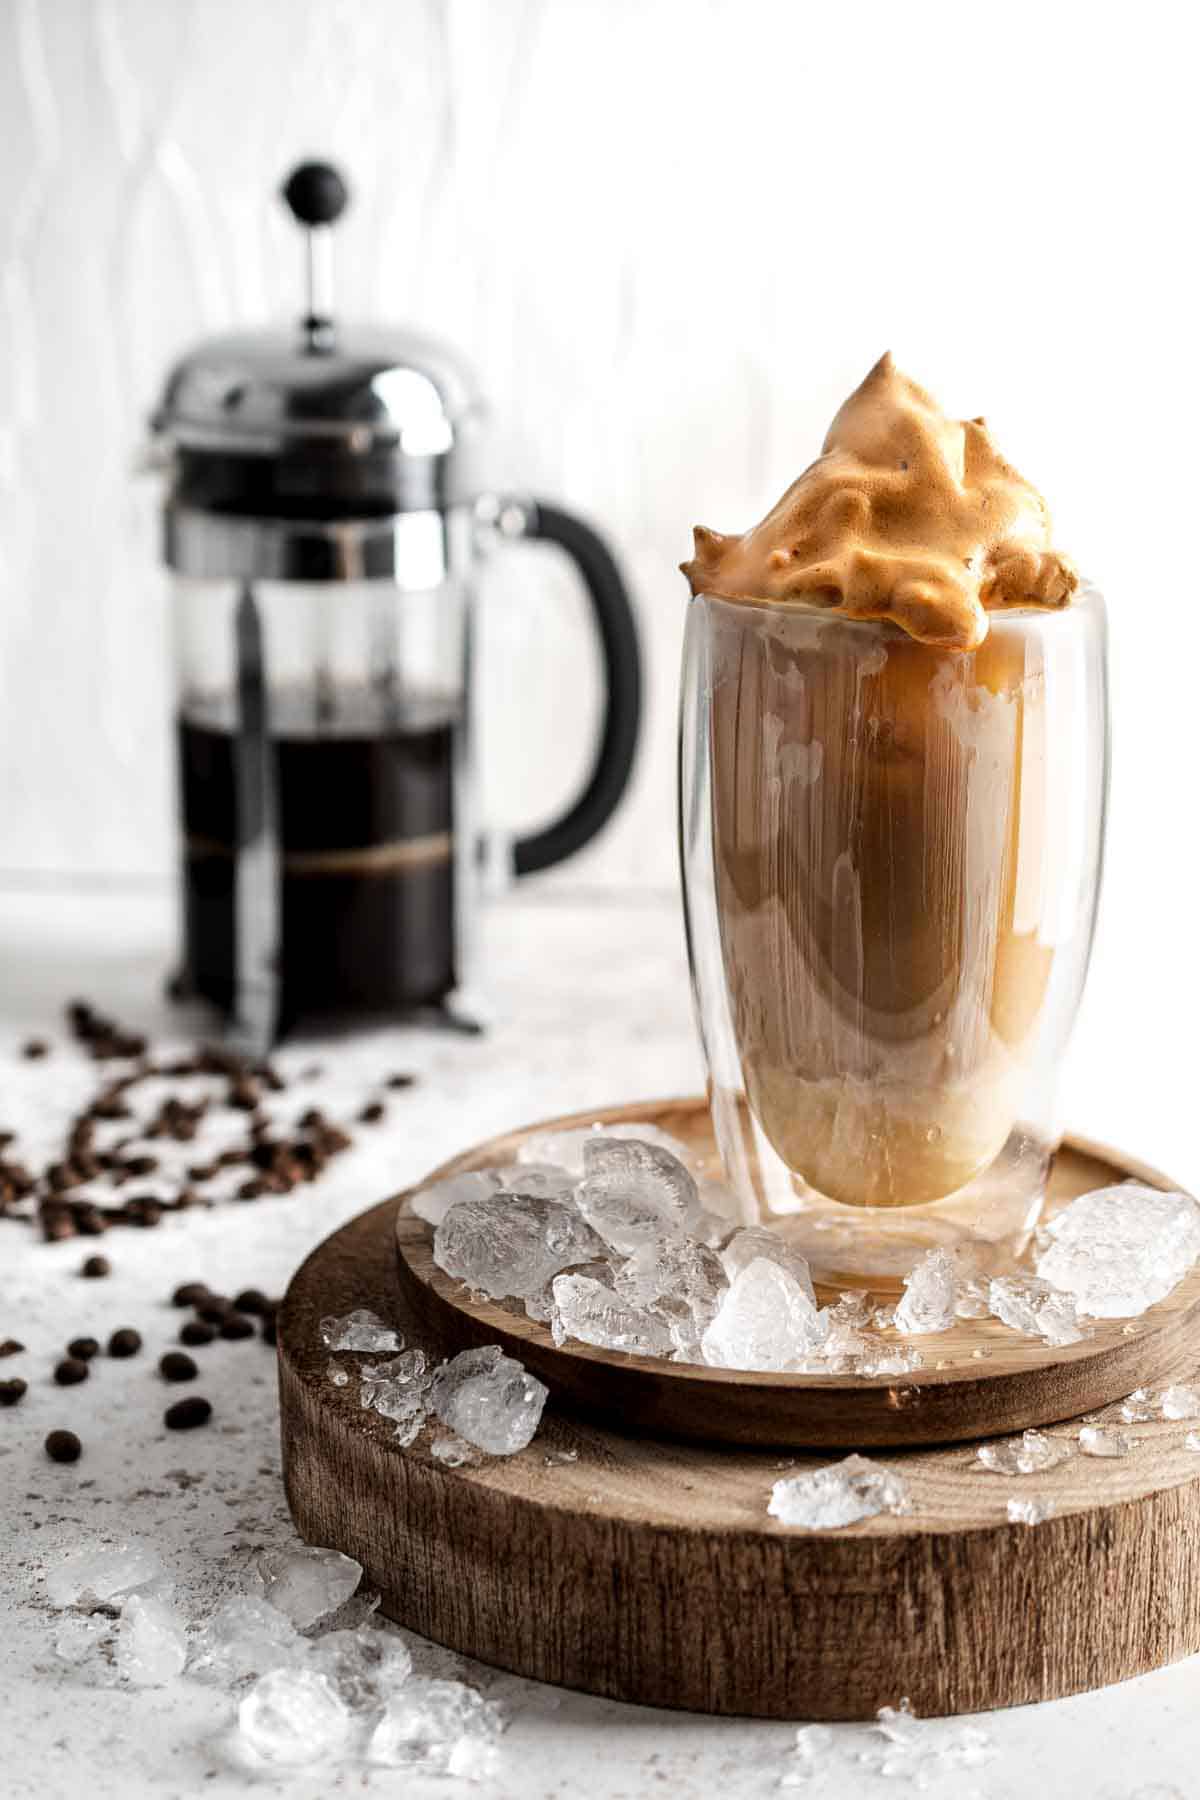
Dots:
(895, 783)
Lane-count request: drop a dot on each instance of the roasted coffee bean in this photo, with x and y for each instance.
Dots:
(63, 1446)
(252, 1300)
(401, 1081)
(11, 1347)
(175, 1366)
(57, 1225)
(35, 1049)
(125, 1342)
(202, 1171)
(268, 1329)
(192, 1293)
(213, 1308)
(312, 1120)
(185, 1415)
(243, 1095)
(196, 1332)
(72, 1370)
(140, 1165)
(12, 1390)
(228, 1158)
(374, 1113)
(236, 1326)
(144, 1211)
(84, 1348)
(96, 1266)
(253, 1189)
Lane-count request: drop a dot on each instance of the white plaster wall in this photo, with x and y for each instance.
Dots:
(671, 234)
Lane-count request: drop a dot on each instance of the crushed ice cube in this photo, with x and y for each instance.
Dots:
(1192, 1441)
(930, 1295)
(565, 1149)
(363, 1667)
(812, 1743)
(455, 1452)
(755, 1242)
(594, 1313)
(336, 1374)
(1032, 1306)
(537, 1181)
(1179, 1402)
(1094, 1440)
(437, 1728)
(764, 1321)
(1029, 1512)
(79, 1635)
(488, 1398)
(680, 1280)
(359, 1330)
(307, 1584)
(899, 1724)
(1121, 1249)
(851, 1311)
(838, 1494)
(1137, 1407)
(512, 1244)
(634, 1192)
(91, 1575)
(1032, 1452)
(972, 1299)
(432, 1203)
(293, 1717)
(399, 1390)
(245, 1637)
(151, 1642)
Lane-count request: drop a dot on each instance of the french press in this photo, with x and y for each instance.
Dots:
(325, 518)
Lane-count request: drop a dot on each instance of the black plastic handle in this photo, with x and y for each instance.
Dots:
(615, 752)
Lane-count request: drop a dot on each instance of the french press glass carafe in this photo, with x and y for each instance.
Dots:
(324, 521)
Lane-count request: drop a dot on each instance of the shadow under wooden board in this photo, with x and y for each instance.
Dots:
(979, 1379)
(648, 1570)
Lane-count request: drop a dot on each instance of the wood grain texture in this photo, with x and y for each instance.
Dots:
(650, 1571)
(979, 1379)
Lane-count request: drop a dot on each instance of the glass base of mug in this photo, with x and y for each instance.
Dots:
(989, 1221)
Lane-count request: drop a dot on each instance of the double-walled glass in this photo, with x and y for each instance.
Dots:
(891, 861)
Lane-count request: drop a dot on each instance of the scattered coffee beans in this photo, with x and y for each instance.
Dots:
(252, 1300)
(96, 1266)
(70, 1371)
(84, 1347)
(10, 1347)
(401, 1081)
(11, 1391)
(63, 1446)
(35, 1049)
(192, 1293)
(185, 1415)
(125, 1342)
(196, 1332)
(213, 1308)
(374, 1113)
(175, 1366)
(236, 1325)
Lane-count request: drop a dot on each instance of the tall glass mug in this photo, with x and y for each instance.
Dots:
(891, 862)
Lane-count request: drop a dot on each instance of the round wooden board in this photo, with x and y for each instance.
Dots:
(978, 1380)
(650, 1571)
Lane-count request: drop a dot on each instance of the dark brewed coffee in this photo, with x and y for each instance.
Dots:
(366, 819)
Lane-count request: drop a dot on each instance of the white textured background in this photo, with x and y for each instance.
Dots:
(671, 234)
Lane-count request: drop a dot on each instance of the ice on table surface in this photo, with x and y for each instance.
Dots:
(1137, 1407)
(512, 1244)
(813, 1743)
(101, 1573)
(152, 1642)
(1029, 1454)
(1179, 1402)
(839, 1494)
(437, 1728)
(293, 1717)
(634, 1192)
(1192, 1441)
(1118, 1250)
(245, 1637)
(489, 1399)
(308, 1583)
(360, 1330)
(455, 1452)
(918, 1751)
(680, 1280)
(79, 1635)
(765, 1321)
(364, 1667)
(595, 1313)
(755, 1242)
(336, 1374)
(971, 1301)
(565, 1149)
(1096, 1440)
(1032, 1306)
(930, 1295)
(1029, 1512)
